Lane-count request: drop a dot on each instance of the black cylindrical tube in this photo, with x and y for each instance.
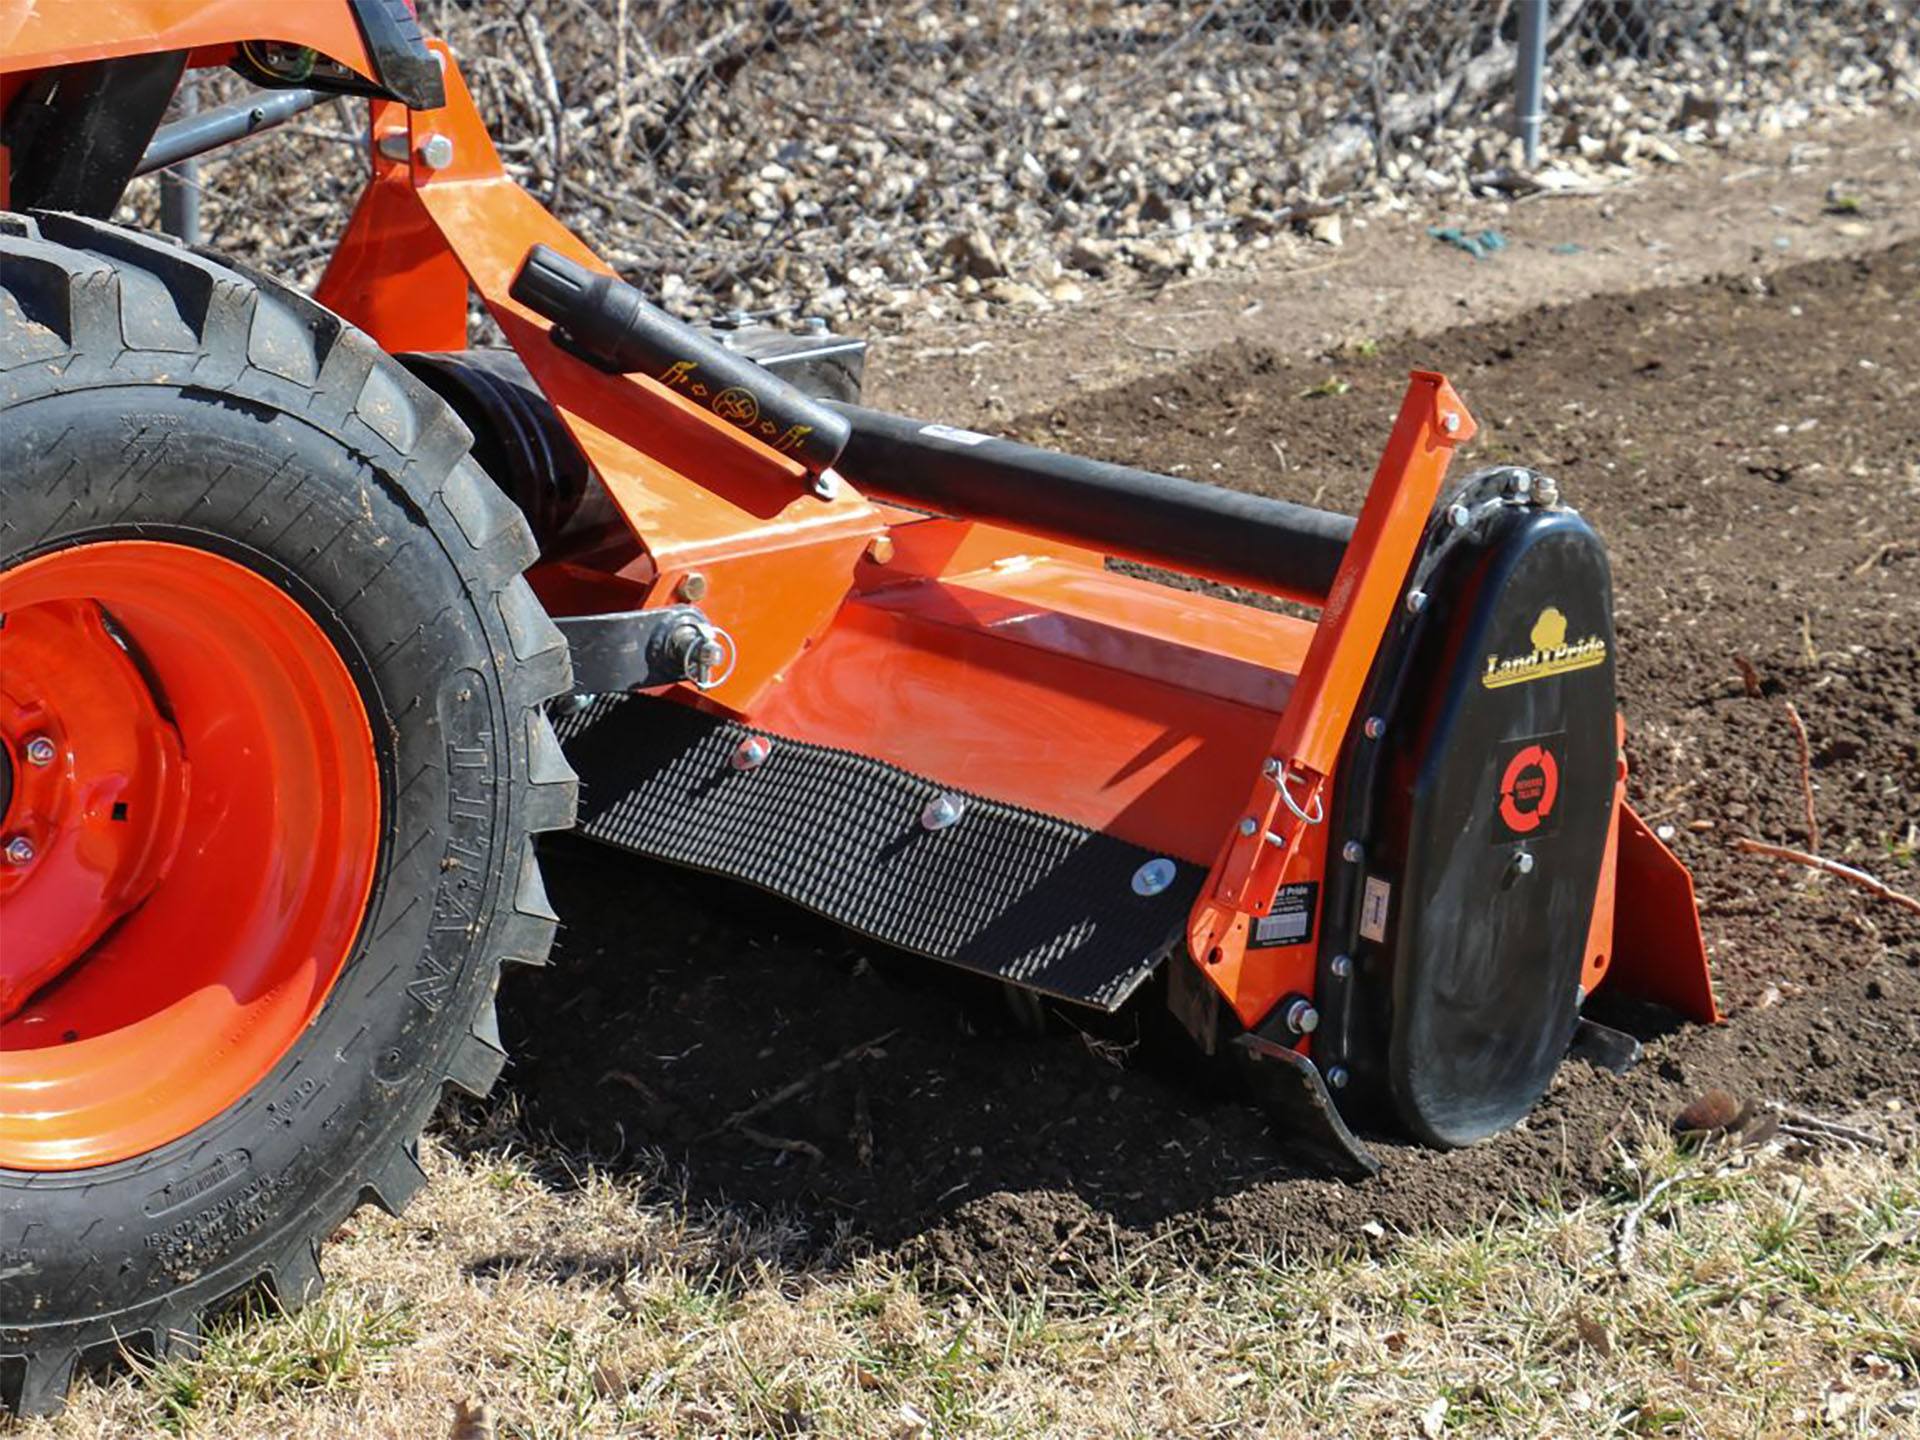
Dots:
(211, 129)
(607, 321)
(1226, 535)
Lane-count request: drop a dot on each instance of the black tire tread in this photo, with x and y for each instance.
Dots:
(89, 290)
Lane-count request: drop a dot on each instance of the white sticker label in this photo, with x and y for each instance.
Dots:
(1373, 910)
(958, 437)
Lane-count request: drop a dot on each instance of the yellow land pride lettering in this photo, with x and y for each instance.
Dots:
(1552, 654)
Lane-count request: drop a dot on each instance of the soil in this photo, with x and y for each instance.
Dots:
(1750, 448)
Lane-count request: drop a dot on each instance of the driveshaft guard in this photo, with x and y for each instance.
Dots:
(1493, 824)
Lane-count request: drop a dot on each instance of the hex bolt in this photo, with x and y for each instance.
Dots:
(435, 152)
(1459, 516)
(880, 549)
(752, 752)
(41, 751)
(1519, 483)
(1450, 422)
(1341, 965)
(1302, 1018)
(1271, 768)
(1353, 852)
(692, 586)
(1153, 877)
(1523, 862)
(943, 811)
(1375, 727)
(1546, 490)
(1416, 601)
(1249, 826)
(1336, 1077)
(20, 851)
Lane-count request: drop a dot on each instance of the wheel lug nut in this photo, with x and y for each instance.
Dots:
(41, 751)
(20, 851)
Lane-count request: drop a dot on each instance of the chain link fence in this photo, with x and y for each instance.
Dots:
(883, 158)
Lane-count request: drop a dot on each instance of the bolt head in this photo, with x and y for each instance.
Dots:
(41, 751)
(942, 811)
(1375, 727)
(751, 752)
(1337, 1077)
(1341, 965)
(1416, 601)
(20, 851)
(1520, 483)
(1153, 877)
(1249, 826)
(692, 586)
(1459, 516)
(880, 549)
(1523, 862)
(435, 152)
(1302, 1018)
(1546, 490)
(1450, 422)
(1353, 852)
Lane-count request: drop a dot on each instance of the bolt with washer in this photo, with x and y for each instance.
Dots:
(435, 152)
(942, 811)
(1302, 1018)
(41, 751)
(20, 851)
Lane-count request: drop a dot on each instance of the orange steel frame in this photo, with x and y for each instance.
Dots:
(993, 661)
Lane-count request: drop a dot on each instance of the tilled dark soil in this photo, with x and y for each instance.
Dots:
(1751, 452)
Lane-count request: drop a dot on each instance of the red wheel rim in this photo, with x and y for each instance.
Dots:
(187, 847)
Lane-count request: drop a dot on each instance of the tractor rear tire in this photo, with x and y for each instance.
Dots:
(157, 404)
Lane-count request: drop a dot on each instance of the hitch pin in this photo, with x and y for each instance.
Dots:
(1276, 770)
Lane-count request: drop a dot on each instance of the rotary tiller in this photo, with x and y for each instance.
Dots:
(312, 611)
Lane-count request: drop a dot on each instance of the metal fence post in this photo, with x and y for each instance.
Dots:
(180, 183)
(1530, 76)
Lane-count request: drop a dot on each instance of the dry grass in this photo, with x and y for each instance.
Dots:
(1768, 1293)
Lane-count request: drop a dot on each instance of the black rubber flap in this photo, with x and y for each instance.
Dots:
(1023, 897)
(1496, 826)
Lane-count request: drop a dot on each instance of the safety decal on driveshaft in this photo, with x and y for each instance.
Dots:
(1552, 654)
(1527, 802)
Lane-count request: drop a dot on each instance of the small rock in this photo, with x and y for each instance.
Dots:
(1095, 257)
(977, 255)
(1017, 293)
(1065, 292)
(1326, 229)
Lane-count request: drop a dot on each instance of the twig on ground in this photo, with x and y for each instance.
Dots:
(736, 1121)
(550, 86)
(1806, 773)
(1804, 1123)
(1630, 1225)
(780, 1143)
(1885, 552)
(1749, 677)
(1832, 867)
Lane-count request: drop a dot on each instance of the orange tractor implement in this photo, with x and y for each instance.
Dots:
(311, 613)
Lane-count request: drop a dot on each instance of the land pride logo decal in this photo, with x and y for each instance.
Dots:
(1553, 654)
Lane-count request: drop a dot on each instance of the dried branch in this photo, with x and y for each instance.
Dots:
(738, 1119)
(1806, 773)
(1832, 867)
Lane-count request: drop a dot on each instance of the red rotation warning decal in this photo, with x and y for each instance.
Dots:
(1529, 787)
